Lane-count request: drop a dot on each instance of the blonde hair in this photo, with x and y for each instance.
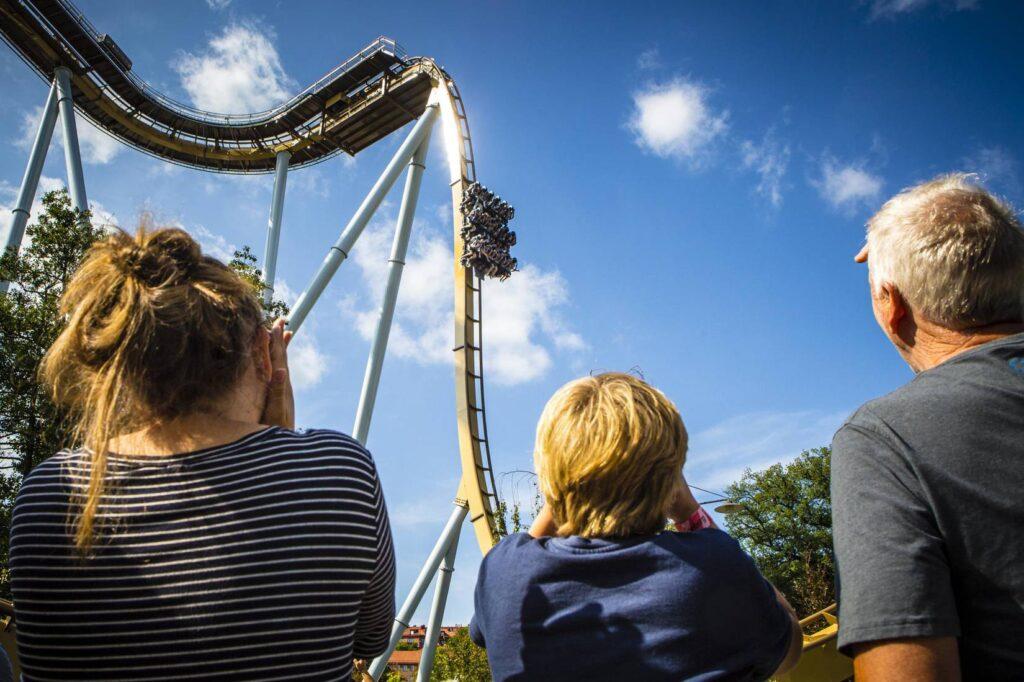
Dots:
(608, 455)
(954, 251)
(154, 331)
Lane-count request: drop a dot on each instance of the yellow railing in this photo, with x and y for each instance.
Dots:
(821, 662)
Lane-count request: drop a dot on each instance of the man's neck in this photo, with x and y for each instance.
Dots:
(934, 345)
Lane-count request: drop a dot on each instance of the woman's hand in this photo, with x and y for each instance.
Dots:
(280, 408)
(360, 668)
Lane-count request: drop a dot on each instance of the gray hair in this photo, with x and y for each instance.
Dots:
(954, 252)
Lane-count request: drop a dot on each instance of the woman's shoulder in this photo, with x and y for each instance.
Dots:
(49, 482)
(318, 437)
(326, 443)
(53, 471)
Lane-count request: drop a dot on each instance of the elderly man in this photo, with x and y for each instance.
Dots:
(928, 481)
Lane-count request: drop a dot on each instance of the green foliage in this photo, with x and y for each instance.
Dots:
(506, 521)
(244, 263)
(32, 428)
(459, 659)
(405, 646)
(785, 524)
(511, 518)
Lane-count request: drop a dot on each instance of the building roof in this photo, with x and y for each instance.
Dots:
(405, 657)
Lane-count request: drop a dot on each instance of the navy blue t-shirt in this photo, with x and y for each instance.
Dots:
(672, 606)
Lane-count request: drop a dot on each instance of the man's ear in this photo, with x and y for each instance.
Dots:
(894, 309)
(261, 353)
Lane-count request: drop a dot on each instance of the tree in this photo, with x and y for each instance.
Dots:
(461, 660)
(785, 524)
(32, 428)
(244, 263)
(510, 518)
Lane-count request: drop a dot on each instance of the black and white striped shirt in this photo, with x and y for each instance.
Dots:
(269, 558)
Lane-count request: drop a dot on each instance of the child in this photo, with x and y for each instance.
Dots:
(597, 591)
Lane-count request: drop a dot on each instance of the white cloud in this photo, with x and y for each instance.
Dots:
(674, 119)
(649, 59)
(719, 454)
(218, 4)
(998, 168)
(101, 217)
(283, 292)
(310, 181)
(95, 145)
(893, 8)
(523, 323)
(212, 244)
(239, 72)
(847, 186)
(770, 160)
(306, 362)
(518, 314)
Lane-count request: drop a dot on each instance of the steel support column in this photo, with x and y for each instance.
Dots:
(341, 248)
(444, 581)
(375, 361)
(274, 224)
(15, 231)
(451, 531)
(72, 153)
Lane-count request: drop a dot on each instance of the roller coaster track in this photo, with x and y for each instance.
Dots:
(375, 92)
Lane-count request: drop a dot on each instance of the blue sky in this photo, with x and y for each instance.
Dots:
(691, 182)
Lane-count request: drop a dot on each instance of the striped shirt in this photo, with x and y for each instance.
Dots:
(269, 558)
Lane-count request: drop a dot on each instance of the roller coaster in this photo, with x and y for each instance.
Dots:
(371, 95)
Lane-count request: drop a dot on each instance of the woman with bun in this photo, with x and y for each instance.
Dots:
(193, 534)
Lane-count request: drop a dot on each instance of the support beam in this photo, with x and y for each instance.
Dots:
(72, 153)
(374, 363)
(451, 530)
(341, 248)
(444, 581)
(15, 231)
(274, 224)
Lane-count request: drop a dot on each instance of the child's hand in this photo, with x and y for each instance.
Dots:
(682, 504)
(544, 525)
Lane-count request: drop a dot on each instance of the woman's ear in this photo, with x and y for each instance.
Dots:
(261, 354)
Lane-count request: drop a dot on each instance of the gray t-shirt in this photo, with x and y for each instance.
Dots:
(928, 511)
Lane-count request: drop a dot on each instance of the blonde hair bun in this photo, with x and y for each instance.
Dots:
(169, 257)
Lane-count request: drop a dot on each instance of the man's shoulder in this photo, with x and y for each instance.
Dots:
(960, 382)
(904, 408)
